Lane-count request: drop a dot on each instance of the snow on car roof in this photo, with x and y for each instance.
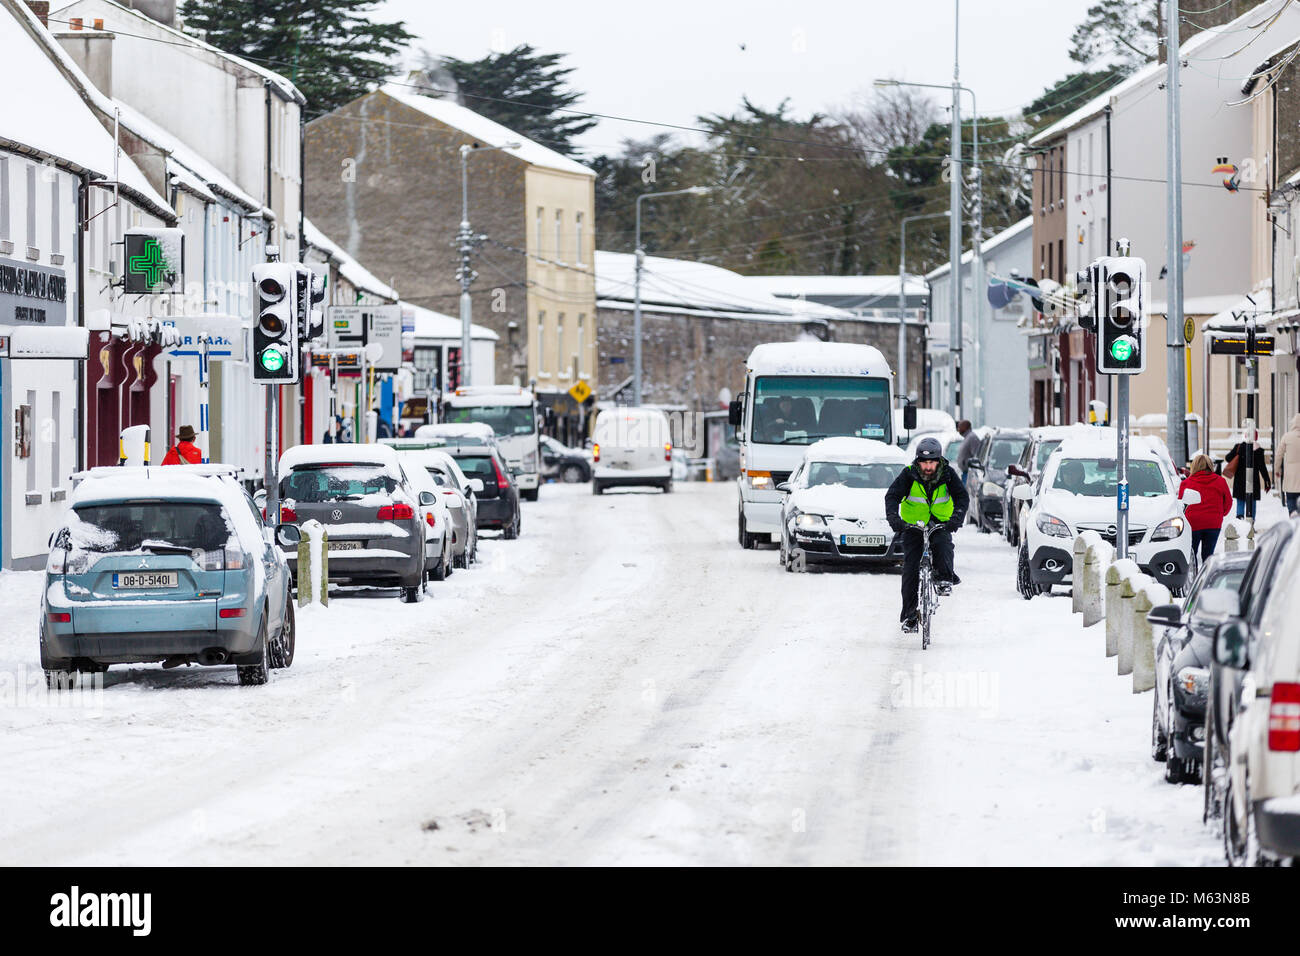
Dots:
(853, 450)
(1103, 446)
(359, 454)
(455, 430)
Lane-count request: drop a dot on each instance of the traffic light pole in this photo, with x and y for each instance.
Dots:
(1176, 393)
(272, 455)
(1121, 467)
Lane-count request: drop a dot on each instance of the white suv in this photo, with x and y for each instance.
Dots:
(1077, 492)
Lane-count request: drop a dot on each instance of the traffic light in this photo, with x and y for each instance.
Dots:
(1087, 288)
(276, 324)
(1121, 335)
(310, 292)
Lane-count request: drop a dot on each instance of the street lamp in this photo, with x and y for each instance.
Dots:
(954, 244)
(640, 255)
(902, 292)
(465, 241)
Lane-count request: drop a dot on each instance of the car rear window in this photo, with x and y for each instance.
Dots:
(478, 466)
(336, 482)
(1005, 451)
(149, 525)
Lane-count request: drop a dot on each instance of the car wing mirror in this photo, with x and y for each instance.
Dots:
(1191, 497)
(1022, 493)
(288, 534)
(909, 417)
(1166, 615)
(734, 412)
(1230, 644)
(427, 498)
(784, 487)
(476, 485)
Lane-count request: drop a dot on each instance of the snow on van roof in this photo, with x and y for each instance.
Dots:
(853, 450)
(489, 395)
(455, 430)
(358, 454)
(817, 358)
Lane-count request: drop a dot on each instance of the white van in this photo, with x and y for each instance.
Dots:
(512, 413)
(797, 393)
(631, 446)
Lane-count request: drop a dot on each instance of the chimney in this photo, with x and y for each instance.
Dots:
(42, 10)
(164, 11)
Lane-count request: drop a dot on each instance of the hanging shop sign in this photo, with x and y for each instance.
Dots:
(32, 294)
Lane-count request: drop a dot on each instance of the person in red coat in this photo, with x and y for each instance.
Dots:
(184, 451)
(1206, 518)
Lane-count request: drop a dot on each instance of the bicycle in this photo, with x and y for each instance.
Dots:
(927, 595)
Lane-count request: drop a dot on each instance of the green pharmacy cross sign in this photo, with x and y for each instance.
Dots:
(149, 268)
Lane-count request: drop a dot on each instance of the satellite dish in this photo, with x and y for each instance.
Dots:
(1036, 300)
(1000, 294)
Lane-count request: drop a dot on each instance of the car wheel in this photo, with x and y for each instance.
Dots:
(1211, 808)
(440, 570)
(252, 675)
(511, 531)
(1240, 839)
(668, 487)
(529, 494)
(747, 540)
(1024, 583)
(57, 678)
(282, 650)
(597, 488)
(571, 475)
(1159, 742)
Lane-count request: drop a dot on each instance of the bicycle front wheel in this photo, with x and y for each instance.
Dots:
(924, 604)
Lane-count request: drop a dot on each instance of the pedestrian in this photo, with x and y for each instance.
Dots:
(1247, 453)
(184, 451)
(970, 447)
(1206, 517)
(1286, 462)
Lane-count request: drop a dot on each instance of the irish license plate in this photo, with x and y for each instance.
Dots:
(862, 540)
(345, 545)
(145, 579)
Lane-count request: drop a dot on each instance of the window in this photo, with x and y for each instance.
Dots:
(32, 443)
(559, 346)
(577, 254)
(56, 402)
(580, 347)
(538, 250)
(559, 235)
(1060, 260)
(4, 198)
(541, 345)
(54, 216)
(31, 207)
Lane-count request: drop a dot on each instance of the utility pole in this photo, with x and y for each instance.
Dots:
(954, 204)
(902, 297)
(1176, 395)
(465, 243)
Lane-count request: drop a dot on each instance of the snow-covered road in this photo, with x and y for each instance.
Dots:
(623, 684)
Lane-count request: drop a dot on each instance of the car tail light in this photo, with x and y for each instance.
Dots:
(1284, 717)
(398, 512)
(232, 612)
(595, 451)
(234, 559)
(288, 515)
(57, 563)
(60, 617)
(668, 452)
(502, 482)
(428, 519)
(213, 560)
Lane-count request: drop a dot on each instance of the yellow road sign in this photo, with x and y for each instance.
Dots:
(1189, 330)
(580, 391)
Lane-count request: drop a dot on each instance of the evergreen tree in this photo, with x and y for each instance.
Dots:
(331, 49)
(522, 90)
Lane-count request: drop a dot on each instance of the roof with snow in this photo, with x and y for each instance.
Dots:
(52, 113)
(867, 287)
(816, 358)
(436, 325)
(486, 131)
(680, 285)
(348, 267)
(343, 452)
(987, 246)
(853, 450)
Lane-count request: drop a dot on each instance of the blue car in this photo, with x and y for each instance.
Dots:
(166, 565)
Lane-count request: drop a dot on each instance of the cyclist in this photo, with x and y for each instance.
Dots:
(928, 491)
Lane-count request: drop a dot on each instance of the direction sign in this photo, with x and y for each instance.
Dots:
(347, 325)
(580, 391)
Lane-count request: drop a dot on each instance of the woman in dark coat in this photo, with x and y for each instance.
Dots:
(1259, 474)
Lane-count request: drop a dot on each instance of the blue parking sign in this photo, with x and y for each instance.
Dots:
(1121, 491)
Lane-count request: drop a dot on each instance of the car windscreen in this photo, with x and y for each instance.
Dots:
(801, 409)
(1097, 478)
(1006, 451)
(873, 475)
(1045, 450)
(148, 526)
(951, 451)
(336, 482)
(504, 419)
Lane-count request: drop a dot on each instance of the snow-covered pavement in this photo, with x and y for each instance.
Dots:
(623, 684)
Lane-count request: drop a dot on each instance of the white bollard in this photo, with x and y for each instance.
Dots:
(313, 569)
(1076, 573)
(1230, 537)
(1151, 595)
(1114, 577)
(1127, 592)
(1097, 559)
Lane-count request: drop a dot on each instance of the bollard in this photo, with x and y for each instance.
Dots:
(313, 564)
(1114, 575)
(1152, 595)
(1076, 573)
(1230, 537)
(1127, 592)
(1098, 557)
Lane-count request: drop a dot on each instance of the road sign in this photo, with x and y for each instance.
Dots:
(1189, 330)
(1121, 492)
(580, 391)
(1235, 344)
(347, 325)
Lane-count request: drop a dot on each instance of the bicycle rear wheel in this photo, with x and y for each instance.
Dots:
(924, 603)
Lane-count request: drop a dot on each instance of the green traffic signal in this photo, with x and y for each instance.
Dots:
(271, 359)
(1122, 350)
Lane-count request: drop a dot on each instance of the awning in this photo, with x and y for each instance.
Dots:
(44, 342)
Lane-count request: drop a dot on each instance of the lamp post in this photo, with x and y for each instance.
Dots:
(902, 295)
(636, 307)
(466, 241)
(977, 216)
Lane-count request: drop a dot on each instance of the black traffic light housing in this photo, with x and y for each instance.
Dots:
(1121, 315)
(276, 329)
(1087, 286)
(309, 290)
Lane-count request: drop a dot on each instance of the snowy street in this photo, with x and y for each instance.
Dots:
(621, 685)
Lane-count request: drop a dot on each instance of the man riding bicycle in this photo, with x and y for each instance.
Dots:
(928, 491)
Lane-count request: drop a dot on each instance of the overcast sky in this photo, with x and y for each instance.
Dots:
(671, 60)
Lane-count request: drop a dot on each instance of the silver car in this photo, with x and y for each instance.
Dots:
(460, 493)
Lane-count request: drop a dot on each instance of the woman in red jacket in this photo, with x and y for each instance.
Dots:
(1206, 518)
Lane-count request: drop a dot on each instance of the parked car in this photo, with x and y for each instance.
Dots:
(498, 499)
(1252, 677)
(459, 493)
(1184, 647)
(438, 536)
(562, 463)
(1042, 442)
(370, 509)
(987, 473)
(951, 442)
(167, 565)
(833, 506)
(632, 446)
(1077, 492)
